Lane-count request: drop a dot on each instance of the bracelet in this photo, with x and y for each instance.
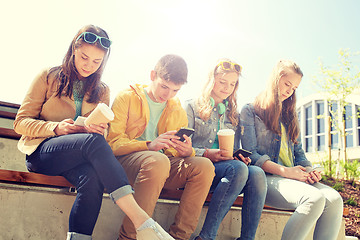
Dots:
(206, 153)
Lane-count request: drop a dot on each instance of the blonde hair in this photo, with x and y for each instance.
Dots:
(203, 102)
(269, 107)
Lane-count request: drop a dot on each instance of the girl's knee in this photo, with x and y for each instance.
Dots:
(240, 170)
(317, 200)
(96, 138)
(257, 178)
(257, 174)
(95, 143)
(335, 201)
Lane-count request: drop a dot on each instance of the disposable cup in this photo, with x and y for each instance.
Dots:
(101, 114)
(226, 141)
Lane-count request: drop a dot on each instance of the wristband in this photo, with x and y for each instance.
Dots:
(206, 153)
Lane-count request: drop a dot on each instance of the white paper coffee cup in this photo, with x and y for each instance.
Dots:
(101, 114)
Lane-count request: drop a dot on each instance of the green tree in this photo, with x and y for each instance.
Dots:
(337, 83)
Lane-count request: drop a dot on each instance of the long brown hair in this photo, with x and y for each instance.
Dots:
(67, 73)
(203, 102)
(269, 107)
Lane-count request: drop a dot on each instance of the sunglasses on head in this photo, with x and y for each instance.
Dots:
(90, 37)
(230, 66)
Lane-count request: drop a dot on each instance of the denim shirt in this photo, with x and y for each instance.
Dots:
(263, 143)
(205, 131)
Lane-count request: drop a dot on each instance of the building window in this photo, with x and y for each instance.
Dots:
(308, 129)
(320, 126)
(334, 141)
(358, 115)
(357, 107)
(348, 126)
(333, 106)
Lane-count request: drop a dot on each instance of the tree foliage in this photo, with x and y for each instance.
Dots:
(337, 83)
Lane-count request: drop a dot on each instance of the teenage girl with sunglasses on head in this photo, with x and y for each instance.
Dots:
(54, 145)
(216, 109)
(270, 130)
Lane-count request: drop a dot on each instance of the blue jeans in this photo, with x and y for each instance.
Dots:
(232, 178)
(87, 162)
(315, 204)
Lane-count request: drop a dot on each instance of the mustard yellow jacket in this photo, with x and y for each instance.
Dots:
(132, 116)
(41, 111)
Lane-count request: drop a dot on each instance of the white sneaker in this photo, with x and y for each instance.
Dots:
(154, 232)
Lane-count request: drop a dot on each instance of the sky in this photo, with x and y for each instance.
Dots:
(256, 34)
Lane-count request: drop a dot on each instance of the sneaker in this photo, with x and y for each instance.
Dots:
(154, 232)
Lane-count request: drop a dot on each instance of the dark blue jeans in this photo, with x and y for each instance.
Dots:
(232, 178)
(86, 161)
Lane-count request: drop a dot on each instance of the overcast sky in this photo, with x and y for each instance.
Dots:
(36, 34)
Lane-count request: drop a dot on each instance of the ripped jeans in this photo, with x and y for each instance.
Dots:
(232, 178)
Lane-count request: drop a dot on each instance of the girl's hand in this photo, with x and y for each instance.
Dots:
(67, 126)
(247, 160)
(216, 155)
(298, 173)
(184, 148)
(315, 176)
(100, 129)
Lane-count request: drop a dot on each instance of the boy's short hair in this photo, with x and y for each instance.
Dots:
(172, 68)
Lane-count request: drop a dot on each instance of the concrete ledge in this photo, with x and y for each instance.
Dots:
(37, 213)
(10, 157)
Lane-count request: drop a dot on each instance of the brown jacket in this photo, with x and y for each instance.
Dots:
(41, 111)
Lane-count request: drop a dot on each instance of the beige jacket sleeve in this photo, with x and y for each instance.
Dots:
(27, 120)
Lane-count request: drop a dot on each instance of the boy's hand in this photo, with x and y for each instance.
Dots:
(163, 141)
(184, 148)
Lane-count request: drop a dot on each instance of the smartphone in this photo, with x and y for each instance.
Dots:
(184, 130)
(243, 152)
(318, 168)
(80, 121)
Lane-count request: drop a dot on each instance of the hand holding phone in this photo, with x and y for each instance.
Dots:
(184, 130)
(243, 152)
(316, 167)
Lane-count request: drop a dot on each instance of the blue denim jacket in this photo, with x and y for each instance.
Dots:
(263, 143)
(205, 131)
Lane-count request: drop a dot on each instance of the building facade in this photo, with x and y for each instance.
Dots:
(314, 112)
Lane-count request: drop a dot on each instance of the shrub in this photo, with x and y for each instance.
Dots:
(338, 186)
(352, 169)
(351, 201)
(325, 163)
